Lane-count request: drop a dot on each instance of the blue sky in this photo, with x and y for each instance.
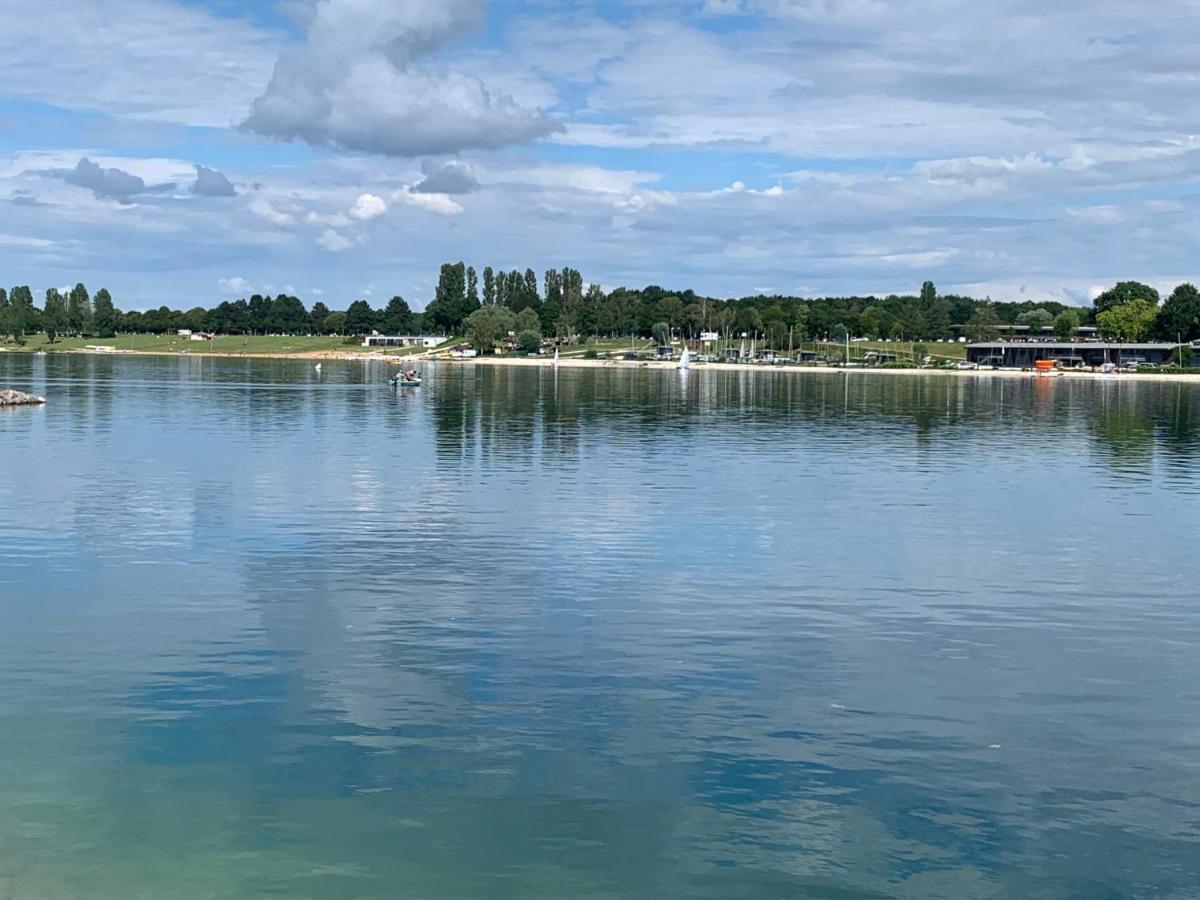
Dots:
(811, 147)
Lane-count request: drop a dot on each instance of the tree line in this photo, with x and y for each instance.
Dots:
(561, 306)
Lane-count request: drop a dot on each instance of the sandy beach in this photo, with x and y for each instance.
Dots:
(580, 363)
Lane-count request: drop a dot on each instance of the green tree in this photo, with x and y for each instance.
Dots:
(79, 310)
(288, 316)
(317, 316)
(553, 286)
(1036, 319)
(21, 313)
(571, 308)
(984, 325)
(670, 310)
(360, 318)
(488, 326)
(777, 332)
(1179, 318)
(1131, 321)
(911, 321)
(873, 322)
(489, 286)
(661, 332)
(928, 294)
(258, 314)
(472, 286)
(747, 320)
(530, 294)
(1066, 323)
(451, 305)
(104, 314)
(937, 318)
(1125, 292)
(799, 323)
(195, 318)
(6, 328)
(54, 314)
(397, 317)
(529, 340)
(334, 323)
(527, 320)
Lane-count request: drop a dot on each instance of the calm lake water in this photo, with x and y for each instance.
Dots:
(599, 633)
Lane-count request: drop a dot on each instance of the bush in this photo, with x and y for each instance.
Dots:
(529, 341)
(590, 353)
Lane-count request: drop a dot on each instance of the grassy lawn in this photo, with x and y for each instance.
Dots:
(902, 349)
(611, 347)
(232, 344)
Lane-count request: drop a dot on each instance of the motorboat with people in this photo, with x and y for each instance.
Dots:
(407, 378)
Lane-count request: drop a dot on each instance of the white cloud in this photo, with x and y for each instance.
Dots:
(140, 59)
(368, 207)
(434, 203)
(333, 241)
(334, 220)
(267, 210)
(237, 286)
(356, 84)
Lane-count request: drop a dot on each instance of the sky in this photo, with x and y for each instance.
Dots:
(191, 151)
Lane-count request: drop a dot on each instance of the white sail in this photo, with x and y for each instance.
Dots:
(555, 363)
(685, 361)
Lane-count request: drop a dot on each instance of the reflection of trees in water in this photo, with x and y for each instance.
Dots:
(1127, 420)
(546, 415)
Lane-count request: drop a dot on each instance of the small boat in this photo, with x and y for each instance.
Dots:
(555, 362)
(317, 368)
(405, 379)
(685, 361)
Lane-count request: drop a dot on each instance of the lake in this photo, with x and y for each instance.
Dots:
(595, 633)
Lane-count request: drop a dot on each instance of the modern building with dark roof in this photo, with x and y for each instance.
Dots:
(1023, 354)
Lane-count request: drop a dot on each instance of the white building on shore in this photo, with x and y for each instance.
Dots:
(427, 341)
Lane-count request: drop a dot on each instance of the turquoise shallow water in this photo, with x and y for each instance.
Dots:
(595, 634)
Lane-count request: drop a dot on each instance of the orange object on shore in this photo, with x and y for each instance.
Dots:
(1044, 365)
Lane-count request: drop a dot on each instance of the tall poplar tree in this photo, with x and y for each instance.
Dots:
(104, 314)
(79, 310)
(489, 286)
(54, 315)
(472, 286)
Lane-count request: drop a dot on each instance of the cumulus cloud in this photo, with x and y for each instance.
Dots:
(368, 207)
(269, 211)
(333, 241)
(237, 286)
(434, 203)
(212, 183)
(452, 178)
(356, 84)
(107, 184)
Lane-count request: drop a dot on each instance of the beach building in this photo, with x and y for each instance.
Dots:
(426, 341)
(1022, 354)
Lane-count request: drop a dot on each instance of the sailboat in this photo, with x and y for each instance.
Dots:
(555, 360)
(685, 361)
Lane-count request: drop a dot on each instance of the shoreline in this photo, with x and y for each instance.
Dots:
(621, 364)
